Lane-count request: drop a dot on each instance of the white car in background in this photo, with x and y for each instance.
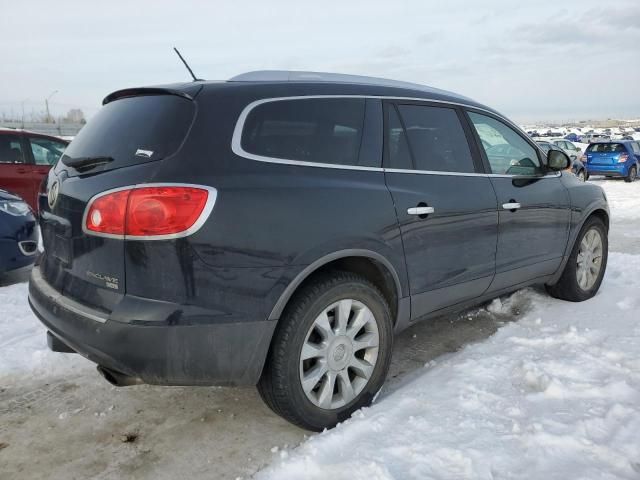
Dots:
(568, 147)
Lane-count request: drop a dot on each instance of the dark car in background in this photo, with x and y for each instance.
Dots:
(613, 159)
(25, 160)
(577, 167)
(278, 228)
(18, 233)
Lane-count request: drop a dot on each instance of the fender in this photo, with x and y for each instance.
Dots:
(310, 269)
(576, 226)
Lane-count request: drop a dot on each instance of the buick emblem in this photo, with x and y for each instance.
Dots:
(52, 196)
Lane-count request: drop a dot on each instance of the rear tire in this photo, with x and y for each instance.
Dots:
(631, 176)
(319, 371)
(585, 268)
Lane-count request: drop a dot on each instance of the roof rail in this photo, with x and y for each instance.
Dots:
(302, 76)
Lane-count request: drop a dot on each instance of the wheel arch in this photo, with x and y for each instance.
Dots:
(598, 211)
(370, 264)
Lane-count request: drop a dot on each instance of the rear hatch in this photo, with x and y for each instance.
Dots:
(123, 145)
(604, 153)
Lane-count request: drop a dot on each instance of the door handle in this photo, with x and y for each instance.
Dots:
(511, 206)
(420, 210)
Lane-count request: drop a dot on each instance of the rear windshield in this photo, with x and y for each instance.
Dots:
(134, 130)
(605, 148)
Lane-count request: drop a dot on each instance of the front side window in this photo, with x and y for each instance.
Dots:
(11, 149)
(319, 130)
(45, 151)
(508, 153)
(436, 139)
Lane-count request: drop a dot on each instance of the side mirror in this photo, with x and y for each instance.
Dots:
(557, 160)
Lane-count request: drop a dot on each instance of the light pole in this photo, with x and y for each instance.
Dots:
(23, 111)
(46, 102)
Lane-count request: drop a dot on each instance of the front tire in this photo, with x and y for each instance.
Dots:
(582, 176)
(330, 353)
(586, 265)
(631, 176)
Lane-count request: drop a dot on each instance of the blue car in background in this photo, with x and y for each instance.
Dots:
(18, 233)
(572, 137)
(577, 167)
(613, 159)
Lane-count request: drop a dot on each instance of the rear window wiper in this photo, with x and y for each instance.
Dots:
(81, 163)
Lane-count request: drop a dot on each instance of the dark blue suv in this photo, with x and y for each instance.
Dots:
(613, 159)
(277, 229)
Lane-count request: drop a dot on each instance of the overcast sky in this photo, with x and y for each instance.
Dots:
(534, 60)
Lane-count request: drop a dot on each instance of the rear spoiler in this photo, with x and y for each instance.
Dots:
(136, 92)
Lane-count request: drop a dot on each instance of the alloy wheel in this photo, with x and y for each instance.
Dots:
(589, 262)
(339, 354)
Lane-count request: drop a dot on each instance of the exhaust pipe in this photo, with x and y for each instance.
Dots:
(118, 379)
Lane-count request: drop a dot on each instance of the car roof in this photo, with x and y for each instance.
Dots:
(311, 83)
(20, 131)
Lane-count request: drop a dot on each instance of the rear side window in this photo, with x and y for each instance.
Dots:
(46, 151)
(635, 147)
(134, 130)
(397, 145)
(436, 139)
(320, 130)
(606, 148)
(11, 149)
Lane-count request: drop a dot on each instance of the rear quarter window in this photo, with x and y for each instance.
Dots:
(318, 130)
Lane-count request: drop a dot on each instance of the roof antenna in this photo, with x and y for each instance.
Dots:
(188, 67)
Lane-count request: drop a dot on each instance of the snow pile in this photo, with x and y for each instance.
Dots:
(555, 395)
(23, 342)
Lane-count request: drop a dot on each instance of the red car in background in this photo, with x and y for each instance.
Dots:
(25, 159)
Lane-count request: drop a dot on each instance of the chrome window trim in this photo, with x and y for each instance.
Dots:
(204, 215)
(468, 174)
(236, 139)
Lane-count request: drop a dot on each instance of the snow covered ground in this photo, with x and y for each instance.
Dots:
(553, 393)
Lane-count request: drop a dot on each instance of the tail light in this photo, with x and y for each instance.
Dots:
(623, 157)
(149, 212)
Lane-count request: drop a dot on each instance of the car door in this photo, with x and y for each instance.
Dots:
(534, 206)
(446, 206)
(14, 171)
(42, 154)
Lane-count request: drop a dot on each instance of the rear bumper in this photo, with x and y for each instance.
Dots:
(155, 351)
(612, 170)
